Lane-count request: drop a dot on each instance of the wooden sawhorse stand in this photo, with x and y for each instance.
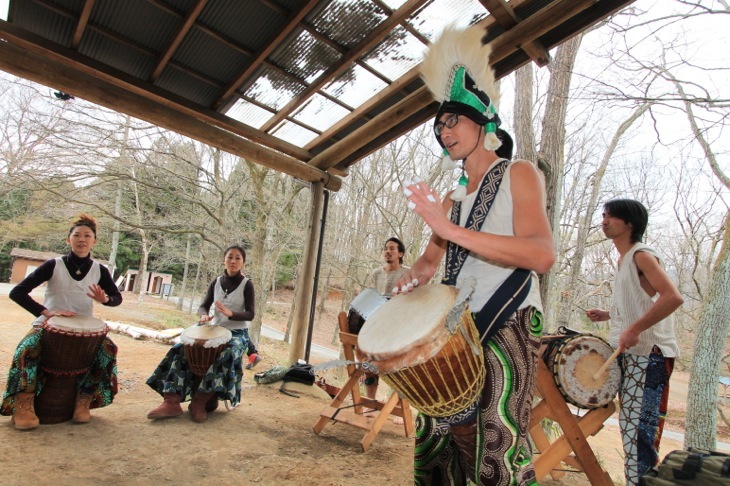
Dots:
(575, 430)
(371, 422)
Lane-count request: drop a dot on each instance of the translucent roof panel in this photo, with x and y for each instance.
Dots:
(273, 88)
(394, 4)
(248, 113)
(305, 57)
(429, 21)
(320, 113)
(293, 133)
(396, 55)
(355, 86)
(347, 22)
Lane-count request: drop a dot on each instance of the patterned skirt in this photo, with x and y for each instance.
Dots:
(25, 375)
(492, 448)
(173, 374)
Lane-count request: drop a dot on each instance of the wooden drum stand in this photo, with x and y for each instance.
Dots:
(571, 448)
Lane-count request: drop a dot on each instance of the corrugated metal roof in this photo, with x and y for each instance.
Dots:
(298, 73)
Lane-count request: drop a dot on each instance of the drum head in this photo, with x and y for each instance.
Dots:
(77, 324)
(408, 321)
(575, 363)
(212, 336)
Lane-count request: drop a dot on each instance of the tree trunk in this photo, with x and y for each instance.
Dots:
(701, 423)
(141, 283)
(525, 144)
(551, 155)
(566, 304)
(186, 268)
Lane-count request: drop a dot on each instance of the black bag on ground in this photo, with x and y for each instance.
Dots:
(693, 466)
(301, 373)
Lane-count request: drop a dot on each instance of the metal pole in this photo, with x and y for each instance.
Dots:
(317, 267)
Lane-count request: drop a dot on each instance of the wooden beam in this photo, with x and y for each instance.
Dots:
(506, 17)
(368, 42)
(535, 26)
(305, 280)
(417, 119)
(187, 25)
(373, 135)
(33, 43)
(82, 23)
(377, 126)
(44, 70)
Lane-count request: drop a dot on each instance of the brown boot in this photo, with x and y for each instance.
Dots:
(212, 404)
(24, 416)
(82, 415)
(197, 406)
(170, 407)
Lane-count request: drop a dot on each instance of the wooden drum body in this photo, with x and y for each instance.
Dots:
(438, 367)
(202, 345)
(70, 345)
(573, 359)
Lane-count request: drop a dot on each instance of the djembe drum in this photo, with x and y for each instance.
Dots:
(437, 365)
(573, 358)
(361, 307)
(69, 347)
(202, 345)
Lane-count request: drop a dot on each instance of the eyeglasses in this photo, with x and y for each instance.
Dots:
(449, 123)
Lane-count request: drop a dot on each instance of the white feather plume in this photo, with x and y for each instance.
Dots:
(458, 47)
(448, 164)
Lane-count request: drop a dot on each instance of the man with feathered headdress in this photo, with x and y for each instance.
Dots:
(493, 230)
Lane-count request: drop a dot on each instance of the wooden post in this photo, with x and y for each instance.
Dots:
(305, 281)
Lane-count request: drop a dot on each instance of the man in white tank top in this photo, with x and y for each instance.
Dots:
(642, 329)
(504, 232)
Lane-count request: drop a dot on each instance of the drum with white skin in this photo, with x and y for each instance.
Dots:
(574, 359)
(69, 347)
(202, 345)
(70, 344)
(427, 349)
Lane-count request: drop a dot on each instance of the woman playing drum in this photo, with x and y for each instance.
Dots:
(232, 298)
(492, 226)
(75, 281)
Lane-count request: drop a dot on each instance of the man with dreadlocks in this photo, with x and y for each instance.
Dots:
(492, 229)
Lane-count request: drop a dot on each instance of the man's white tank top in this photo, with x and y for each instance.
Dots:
(488, 274)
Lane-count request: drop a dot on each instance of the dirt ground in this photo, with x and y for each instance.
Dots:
(267, 439)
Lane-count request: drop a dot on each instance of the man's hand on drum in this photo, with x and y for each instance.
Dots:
(595, 315)
(223, 309)
(411, 279)
(427, 204)
(205, 319)
(98, 294)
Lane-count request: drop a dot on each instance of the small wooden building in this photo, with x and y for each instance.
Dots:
(156, 281)
(25, 261)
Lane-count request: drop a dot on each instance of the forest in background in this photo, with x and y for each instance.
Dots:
(636, 108)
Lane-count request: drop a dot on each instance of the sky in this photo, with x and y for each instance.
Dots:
(4, 9)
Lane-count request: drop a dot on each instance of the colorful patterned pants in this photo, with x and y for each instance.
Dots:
(26, 377)
(644, 394)
(493, 448)
(173, 374)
